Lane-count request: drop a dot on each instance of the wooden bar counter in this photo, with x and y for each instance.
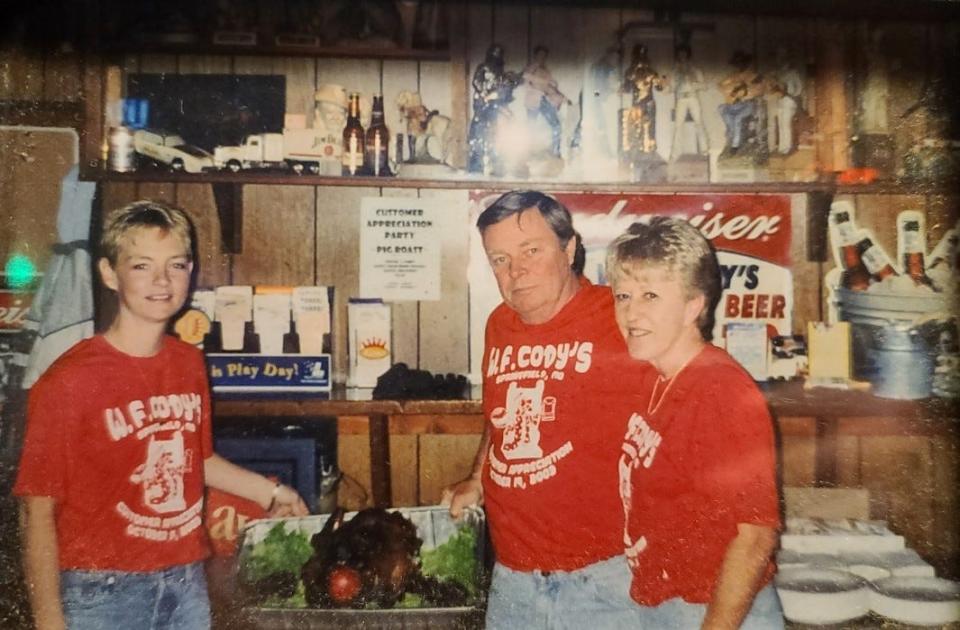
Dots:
(905, 453)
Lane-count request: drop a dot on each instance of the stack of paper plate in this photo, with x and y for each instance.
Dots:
(922, 601)
(876, 566)
(822, 596)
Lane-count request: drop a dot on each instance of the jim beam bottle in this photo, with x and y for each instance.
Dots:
(843, 234)
(377, 145)
(353, 138)
(874, 258)
(912, 245)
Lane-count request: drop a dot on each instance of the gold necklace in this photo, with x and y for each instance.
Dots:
(651, 408)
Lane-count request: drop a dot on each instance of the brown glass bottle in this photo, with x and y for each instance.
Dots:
(874, 258)
(855, 276)
(377, 145)
(947, 251)
(353, 139)
(913, 256)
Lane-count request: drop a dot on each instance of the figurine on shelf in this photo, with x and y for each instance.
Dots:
(784, 94)
(741, 91)
(596, 131)
(330, 110)
(640, 119)
(543, 96)
(329, 119)
(415, 115)
(372, 23)
(235, 23)
(493, 88)
(688, 83)
(427, 132)
(874, 102)
(302, 24)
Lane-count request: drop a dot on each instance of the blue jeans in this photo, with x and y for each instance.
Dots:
(595, 597)
(733, 116)
(676, 614)
(174, 598)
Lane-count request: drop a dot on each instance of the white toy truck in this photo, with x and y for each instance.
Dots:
(300, 149)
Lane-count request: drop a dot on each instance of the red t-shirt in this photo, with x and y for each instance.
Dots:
(120, 443)
(550, 392)
(699, 463)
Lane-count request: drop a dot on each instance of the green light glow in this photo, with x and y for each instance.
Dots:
(20, 271)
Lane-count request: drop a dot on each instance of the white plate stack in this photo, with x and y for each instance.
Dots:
(833, 571)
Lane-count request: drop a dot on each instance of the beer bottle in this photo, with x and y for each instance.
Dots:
(377, 142)
(843, 233)
(912, 243)
(855, 276)
(946, 251)
(353, 138)
(875, 259)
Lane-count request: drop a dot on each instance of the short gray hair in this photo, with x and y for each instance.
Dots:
(553, 212)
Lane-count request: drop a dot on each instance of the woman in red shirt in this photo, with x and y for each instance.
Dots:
(697, 469)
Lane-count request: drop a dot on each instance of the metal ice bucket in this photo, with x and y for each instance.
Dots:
(893, 339)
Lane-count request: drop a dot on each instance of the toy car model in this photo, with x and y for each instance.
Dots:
(170, 149)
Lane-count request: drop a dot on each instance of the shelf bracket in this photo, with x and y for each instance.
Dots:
(229, 200)
(818, 211)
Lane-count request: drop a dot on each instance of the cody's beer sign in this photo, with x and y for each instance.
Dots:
(752, 235)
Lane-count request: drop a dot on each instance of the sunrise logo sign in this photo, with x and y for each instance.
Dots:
(374, 349)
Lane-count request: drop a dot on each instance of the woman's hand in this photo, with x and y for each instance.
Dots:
(286, 502)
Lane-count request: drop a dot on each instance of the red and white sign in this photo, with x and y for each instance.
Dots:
(752, 235)
(13, 309)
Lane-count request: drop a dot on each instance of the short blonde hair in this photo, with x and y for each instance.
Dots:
(680, 248)
(143, 214)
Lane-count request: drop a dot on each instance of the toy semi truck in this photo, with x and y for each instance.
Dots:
(299, 149)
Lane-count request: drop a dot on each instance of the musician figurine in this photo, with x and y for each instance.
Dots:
(741, 91)
(492, 93)
(641, 119)
(543, 97)
(688, 81)
(784, 92)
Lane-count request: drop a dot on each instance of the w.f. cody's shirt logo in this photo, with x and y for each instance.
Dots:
(527, 407)
(639, 448)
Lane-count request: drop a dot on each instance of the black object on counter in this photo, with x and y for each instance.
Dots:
(402, 383)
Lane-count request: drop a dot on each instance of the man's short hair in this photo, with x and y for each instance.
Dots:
(553, 212)
(143, 214)
(679, 247)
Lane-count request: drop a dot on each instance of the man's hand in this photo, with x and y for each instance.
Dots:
(461, 495)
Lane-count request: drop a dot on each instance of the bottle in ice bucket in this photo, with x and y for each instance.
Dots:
(377, 144)
(353, 138)
(875, 259)
(946, 252)
(912, 243)
(843, 232)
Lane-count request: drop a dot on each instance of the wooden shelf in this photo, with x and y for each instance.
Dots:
(469, 182)
(274, 50)
(41, 113)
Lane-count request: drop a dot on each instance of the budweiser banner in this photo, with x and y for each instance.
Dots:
(751, 233)
(13, 309)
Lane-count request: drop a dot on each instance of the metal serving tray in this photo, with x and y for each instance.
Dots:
(434, 527)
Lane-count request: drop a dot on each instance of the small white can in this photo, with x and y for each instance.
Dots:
(121, 157)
